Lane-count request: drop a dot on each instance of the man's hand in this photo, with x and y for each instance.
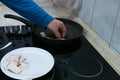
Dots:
(58, 28)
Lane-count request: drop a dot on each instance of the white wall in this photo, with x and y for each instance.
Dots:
(103, 16)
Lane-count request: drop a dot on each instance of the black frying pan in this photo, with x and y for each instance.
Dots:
(72, 38)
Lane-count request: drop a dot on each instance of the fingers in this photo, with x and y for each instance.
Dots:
(58, 28)
(57, 34)
(63, 31)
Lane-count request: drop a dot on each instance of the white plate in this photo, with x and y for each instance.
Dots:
(40, 62)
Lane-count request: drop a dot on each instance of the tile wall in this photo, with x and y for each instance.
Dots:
(103, 16)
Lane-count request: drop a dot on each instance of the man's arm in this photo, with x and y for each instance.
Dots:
(29, 10)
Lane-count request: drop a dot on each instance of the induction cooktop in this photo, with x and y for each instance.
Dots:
(84, 63)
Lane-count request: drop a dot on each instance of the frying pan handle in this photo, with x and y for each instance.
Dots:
(25, 21)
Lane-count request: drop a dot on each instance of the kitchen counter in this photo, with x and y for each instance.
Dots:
(7, 21)
(112, 57)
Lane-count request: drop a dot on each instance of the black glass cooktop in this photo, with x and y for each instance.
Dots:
(84, 63)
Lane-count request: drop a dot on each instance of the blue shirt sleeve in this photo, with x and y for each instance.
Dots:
(30, 10)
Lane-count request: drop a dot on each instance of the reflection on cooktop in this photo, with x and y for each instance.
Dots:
(84, 63)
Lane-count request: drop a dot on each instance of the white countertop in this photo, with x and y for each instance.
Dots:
(7, 21)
